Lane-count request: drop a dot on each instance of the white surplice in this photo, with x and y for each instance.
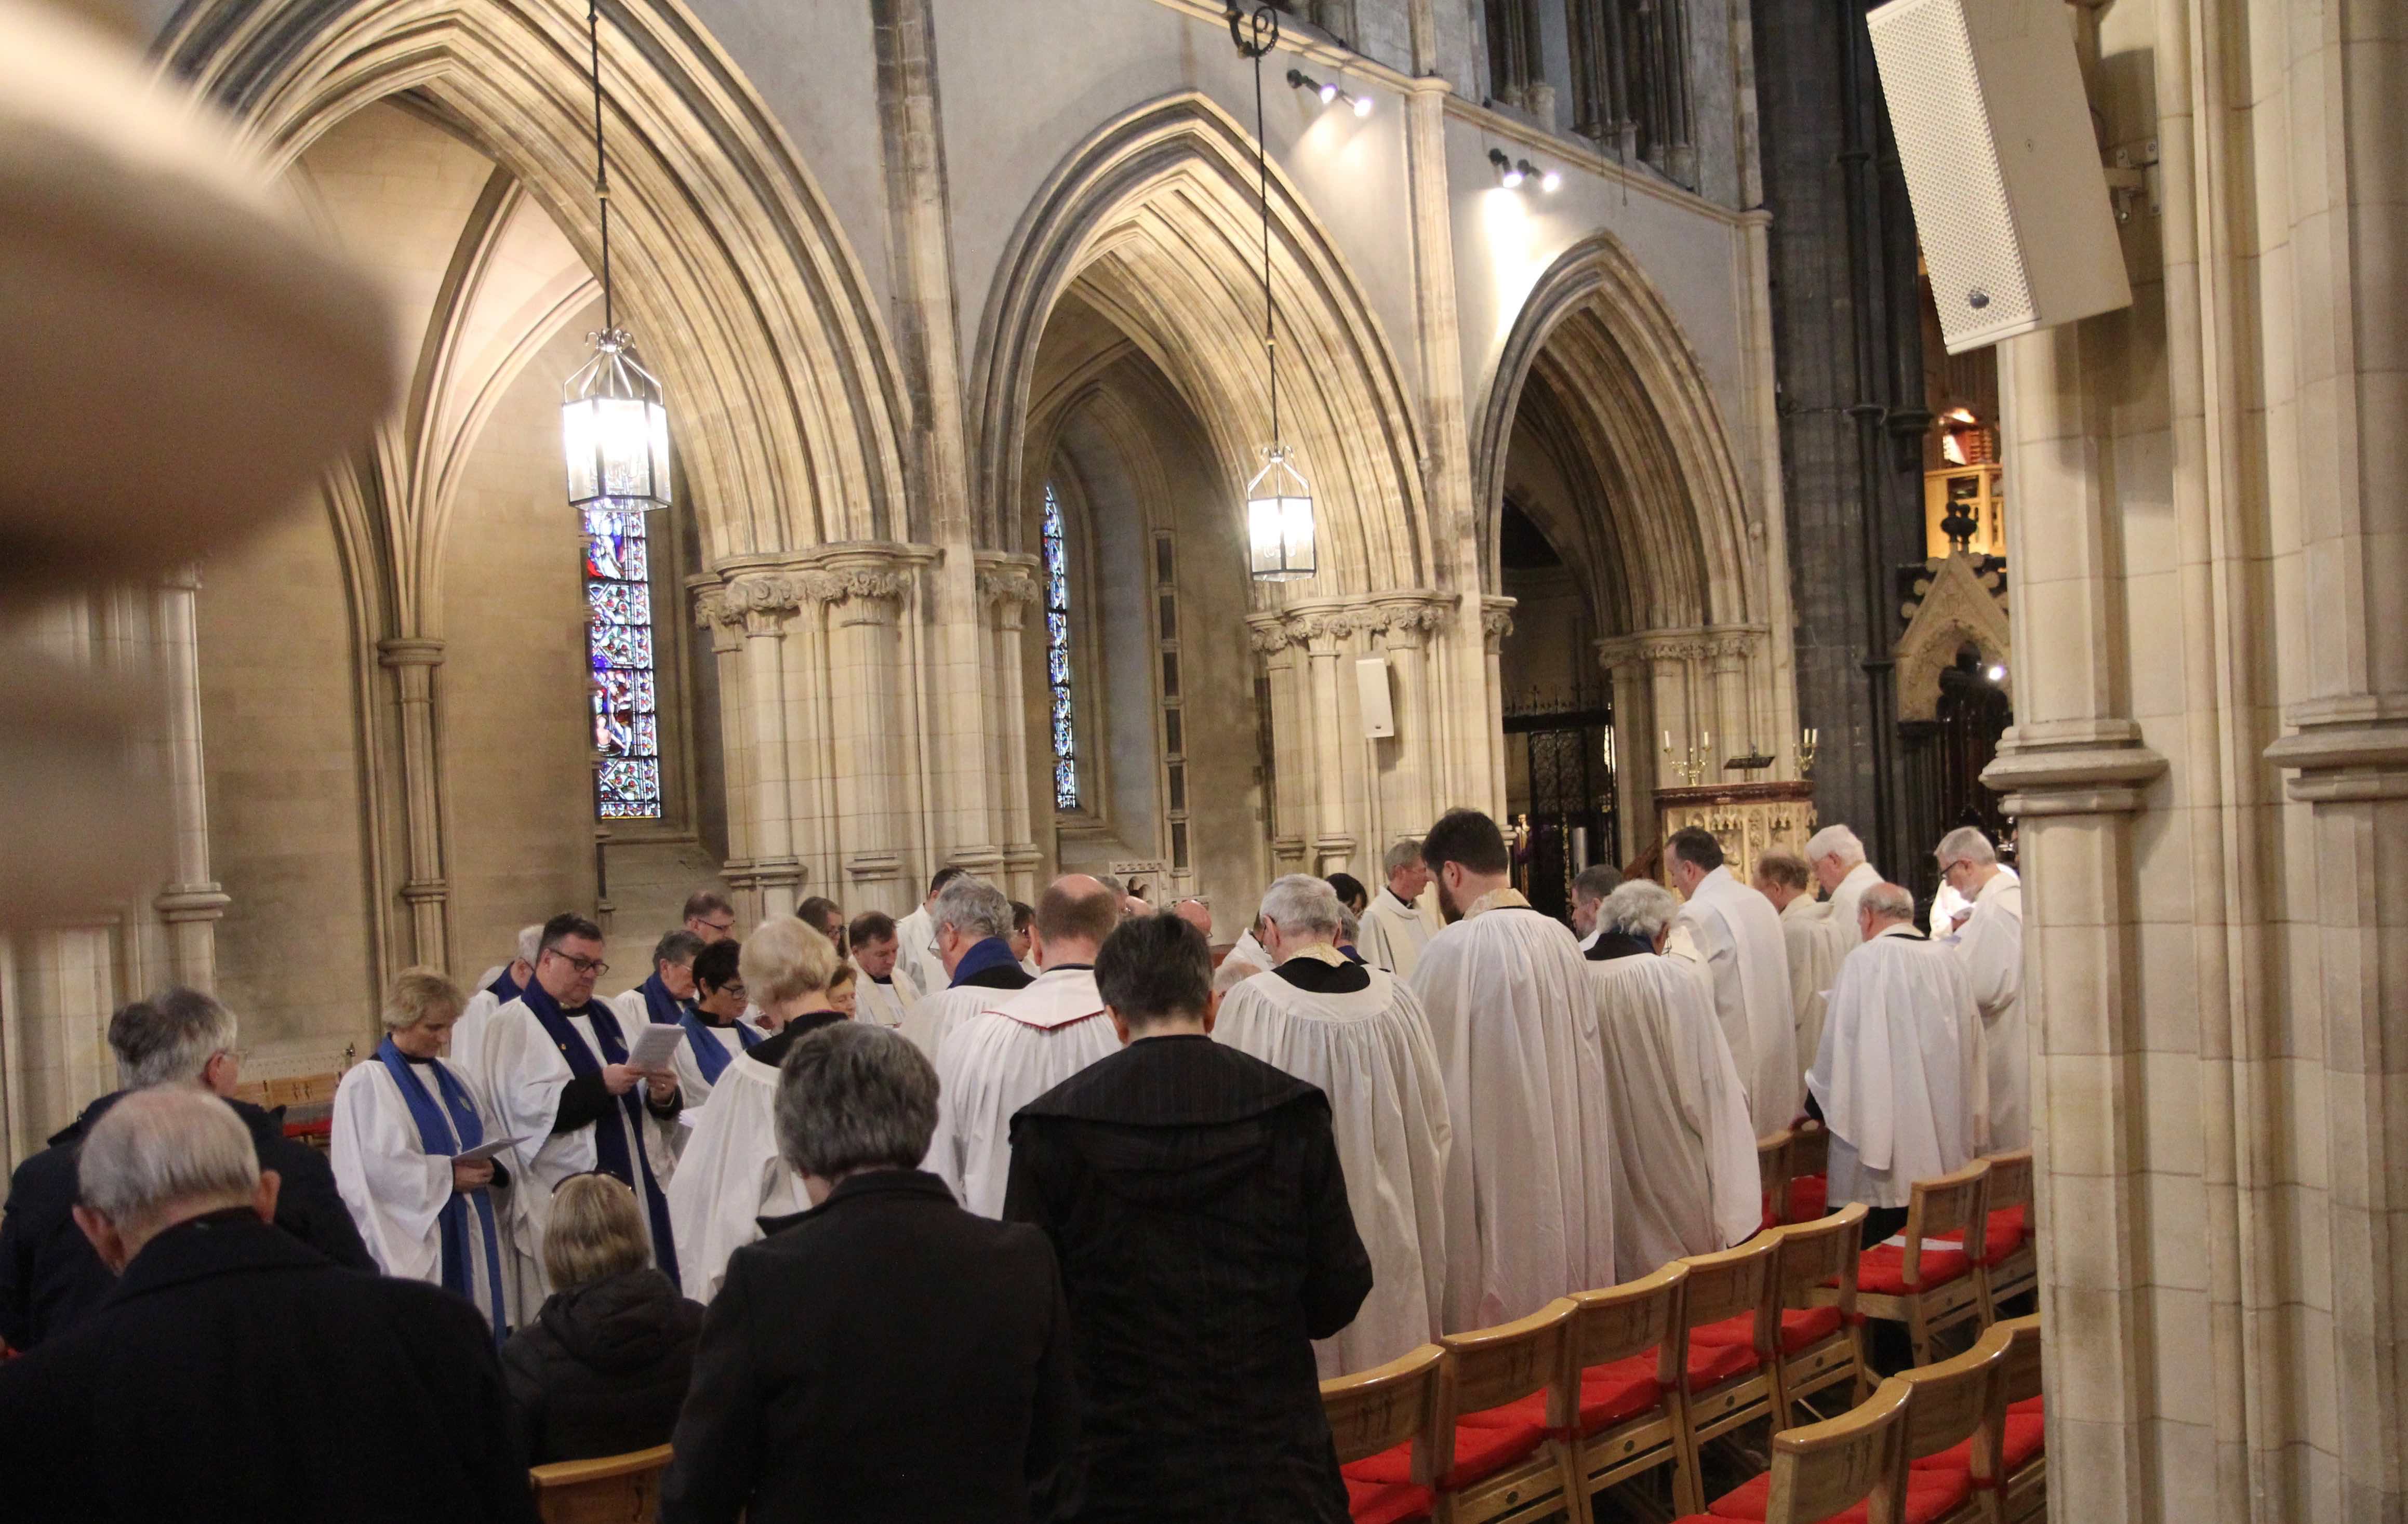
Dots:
(1816, 944)
(730, 1176)
(1849, 898)
(468, 1057)
(1020, 1044)
(932, 1018)
(697, 1087)
(919, 968)
(1507, 996)
(397, 1190)
(882, 1003)
(1992, 949)
(527, 1074)
(1902, 1077)
(1393, 934)
(1371, 1053)
(1686, 1179)
(1738, 936)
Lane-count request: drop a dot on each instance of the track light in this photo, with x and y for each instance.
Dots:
(1329, 91)
(1508, 174)
(1550, 182)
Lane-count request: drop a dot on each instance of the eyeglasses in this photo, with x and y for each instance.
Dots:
(727, 925)
(594, 966)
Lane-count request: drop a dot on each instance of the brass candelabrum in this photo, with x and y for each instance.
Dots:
(1806, 740)
(1693, 763)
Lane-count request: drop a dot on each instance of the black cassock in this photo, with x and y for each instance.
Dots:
(1195, 1198)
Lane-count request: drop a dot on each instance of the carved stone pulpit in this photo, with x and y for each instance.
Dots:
(1746, 818)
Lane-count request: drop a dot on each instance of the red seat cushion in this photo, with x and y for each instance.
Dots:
(1618, 1393)
(2029, 1404)
(1387, 1502)
(1486, 1443)
(1882, 1269)
(2023, 1438)
(1800, 1327)
(1809, 1195)
(1712, 1364)
(1929, 1495)
(2006, 1233)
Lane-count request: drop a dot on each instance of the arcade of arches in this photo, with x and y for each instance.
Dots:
(958, 312)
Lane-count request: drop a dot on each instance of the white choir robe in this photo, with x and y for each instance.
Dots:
(525, 1079)
(1393, 934)
(919, 968)
(1903, 1075)
(1816, 944)
(1738, 936)
(933, 1018)
(1509, 1011)
(730, 1176)
(1019, 1045)
(1848, 899)
(1409, 1185)
(1686, 1180)
(1247, 950)
(1991, 948)
(1030, 966)
(882, 1003)
(397, 1190)
(468, 1055)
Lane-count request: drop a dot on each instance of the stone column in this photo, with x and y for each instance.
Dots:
(1284, 787)
(726, 628)
(195, 901)
(412, 663)
(1734, 719)
(1008, 586)
(765, 603)
(874, 792)
(1407, 625)
(1670, 662)
(1637, 760)
(1332, 843)
(1496, 624)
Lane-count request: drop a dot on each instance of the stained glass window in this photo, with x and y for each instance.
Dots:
(1057, 655)
(619, 641)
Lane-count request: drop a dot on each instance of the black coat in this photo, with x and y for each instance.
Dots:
(234, 1374)
(1195, 1197)
(602, 1369)
(885, 1356)
(50, 1277)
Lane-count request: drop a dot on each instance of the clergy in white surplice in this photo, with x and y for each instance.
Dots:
(1903, 1078)
(400, 1120)
(1838, 859)
(1737, 935)
(731, 1174)
(1021, 1043)
(1358, 1034)
(497, 989)
(562, 1088)
(715, 1031)
(1991, 945)
(880, 998)
(1686, 1181)
(973, 924)
(1589, 890)
(1395, 931)
(1507, 996)
(920, 967)
(1815, 943)
(666, 993)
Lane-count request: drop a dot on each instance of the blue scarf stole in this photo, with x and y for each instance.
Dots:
(993, 952)
(442, 1136)
(711, 1055)
(659, 1003)
(612, 1144)
(504, 987)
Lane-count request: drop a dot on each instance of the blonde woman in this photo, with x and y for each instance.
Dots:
(603, 1367)
(399, 1119)
(730, 1175)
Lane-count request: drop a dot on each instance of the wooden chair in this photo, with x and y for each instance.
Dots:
(2025, 1492)
(1822, 1340)
(1929, 1290)
(1955, 1429)
(1729, 1305)
(1503, 1393)
(1809, 1167)
(613, 1489)
(1380, 1410)
(1626, 1364)
(1830, 1467)
(1774, 1154)
(2011, 1265)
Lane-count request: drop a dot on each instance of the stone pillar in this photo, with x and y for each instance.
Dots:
(1671, 660)
(874, 792)
(766, 604)
(425, 890)
(1406, 626)
(1284, 787)
(1496, 624)
(1008, 586)
(1333, 844)
(726, 628)
(1637, 760)
(1734, 719)
(193, 904)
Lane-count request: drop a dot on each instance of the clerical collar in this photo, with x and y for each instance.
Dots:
(1611, 946)
(1504, 897)
(1315, 976)
(1395, 899)
(1904, 928)
(1320, 952)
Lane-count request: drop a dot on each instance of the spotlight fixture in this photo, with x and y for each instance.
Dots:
(1551, 181)
(1998, 674)
(1329, 91)
(1508, 174)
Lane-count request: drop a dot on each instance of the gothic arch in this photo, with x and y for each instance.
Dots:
(1957, 608)
(1624, 387)
(786, 394)
(1156, 220)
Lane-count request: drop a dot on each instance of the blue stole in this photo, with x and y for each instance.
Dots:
(659, 1003)
(441, 1137)
(711, 1055)
(612, 1146)
(993, 952)
(504, 987)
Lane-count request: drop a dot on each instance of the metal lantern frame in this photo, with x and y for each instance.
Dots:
(1279, 501)
(614, 431)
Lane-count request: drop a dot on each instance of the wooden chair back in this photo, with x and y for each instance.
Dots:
(612, 1490)
(1736, 1281)
(1381, 1408)
(1491, 1366)
(1953, 1399)
(2011, 1179)
(1630, 1320)
(1809, 1254)
(2023, 1368)
(1772, 1169)
(1810, 1149)
(1825, 1468)
(1951, 1203)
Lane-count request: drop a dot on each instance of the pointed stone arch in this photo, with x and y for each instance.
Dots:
(786, 394)
(1156, 218)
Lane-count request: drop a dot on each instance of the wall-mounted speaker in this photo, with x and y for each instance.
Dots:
(1371, 683)
(1993, 129)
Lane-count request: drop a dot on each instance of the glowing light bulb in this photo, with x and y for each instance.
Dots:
(1551, 181)
(1328, 94)
(1362, 105)
(1513, 178)
(1998, 674)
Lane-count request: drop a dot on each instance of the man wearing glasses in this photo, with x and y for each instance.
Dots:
(1991, 945)
(709, 916)
(566, 1092)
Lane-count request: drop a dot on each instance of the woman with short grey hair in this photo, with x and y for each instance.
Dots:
(885, 1353)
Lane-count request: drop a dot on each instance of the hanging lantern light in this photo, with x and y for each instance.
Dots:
(1279, 501)
(614, 432)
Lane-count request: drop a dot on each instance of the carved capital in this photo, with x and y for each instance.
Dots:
(2095, 767)
(1267, 638)
(850, 584)
(410, 654)
(1006, 585)
(1686, 648)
